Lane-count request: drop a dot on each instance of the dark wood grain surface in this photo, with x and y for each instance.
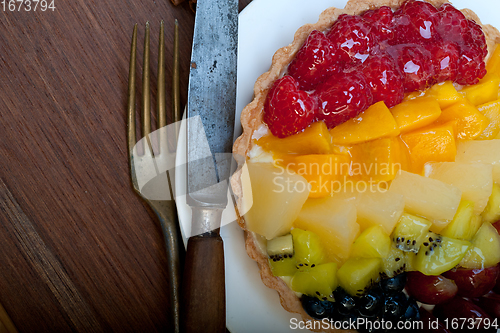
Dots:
(79, 250)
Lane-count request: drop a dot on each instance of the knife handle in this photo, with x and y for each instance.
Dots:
(203, 303)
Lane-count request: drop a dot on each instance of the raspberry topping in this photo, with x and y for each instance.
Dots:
(384, 79)
(476, 37)
(381, 21)
(453, 25)
(314, 61)
(353, 38)
(343, 97)
(445, 58)
(288, 110)
(416, 22)
(416, 65)
(471, 66)
(376, 56)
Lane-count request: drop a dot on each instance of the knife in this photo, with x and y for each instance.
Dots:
(211, 102)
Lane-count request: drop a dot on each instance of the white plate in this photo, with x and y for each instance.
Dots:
(264, 27)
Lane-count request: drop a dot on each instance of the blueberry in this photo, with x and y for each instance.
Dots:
(345, 302)
(316, 308)
(372, 303)
(412, 312)
(394, 284)
(348, 318)
(371, 326)
(395, 306)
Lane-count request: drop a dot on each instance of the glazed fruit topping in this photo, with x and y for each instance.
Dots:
(351, 34)
(381, 21)
(376, 56)
(430, 289)
(289, 110)
(474, 282)
(415, 64)
(314, 61)
(452, 23)
(459, 307)
(445, 58)
(416, 22)
(342, 97)
(384, 79)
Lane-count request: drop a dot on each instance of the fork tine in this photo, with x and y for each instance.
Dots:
(176, 104)
(131, 95)
(176, 100)
(161, 108)
(162, 113)
(146, 95)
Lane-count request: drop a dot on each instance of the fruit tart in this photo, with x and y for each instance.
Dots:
(369, 168)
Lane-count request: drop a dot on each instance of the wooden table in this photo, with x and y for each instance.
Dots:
(79, 250)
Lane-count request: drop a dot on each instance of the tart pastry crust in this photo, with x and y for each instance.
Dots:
(252, 119)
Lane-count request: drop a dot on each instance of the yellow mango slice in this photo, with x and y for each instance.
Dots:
(445, 94)
(483, 92)
(323, 172)
(493, 65)
(416, 113)
(374, 123)
(377, 160)
(491, 111)
(469, 121)
(434, 143)
(315, 139)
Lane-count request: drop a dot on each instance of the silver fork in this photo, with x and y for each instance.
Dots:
(164, 209)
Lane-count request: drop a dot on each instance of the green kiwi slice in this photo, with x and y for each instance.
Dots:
(319, 281)
(308, 249)
(410, 232)
(439, 254)
(281, 258)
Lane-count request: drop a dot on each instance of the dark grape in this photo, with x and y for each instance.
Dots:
(496, 288)
(474, 282)
(490, 303)
(458, 308)
(430, 289)
(394, 284)
(497, 226)
(316, 308)
(428, 319)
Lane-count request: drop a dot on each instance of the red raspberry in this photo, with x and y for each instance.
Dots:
(381, 21)
(353, 38)
(416, 22)
(452, 24)
(314, 61)
(471, 66)
(476, 37)
(471, 41)
(384, 79)
(288, 110)
(416, 65)
(445, 58)
(342, 97)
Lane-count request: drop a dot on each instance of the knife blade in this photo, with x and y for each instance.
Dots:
(211, 103)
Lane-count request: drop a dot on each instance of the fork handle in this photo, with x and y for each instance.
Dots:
(203, 303)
